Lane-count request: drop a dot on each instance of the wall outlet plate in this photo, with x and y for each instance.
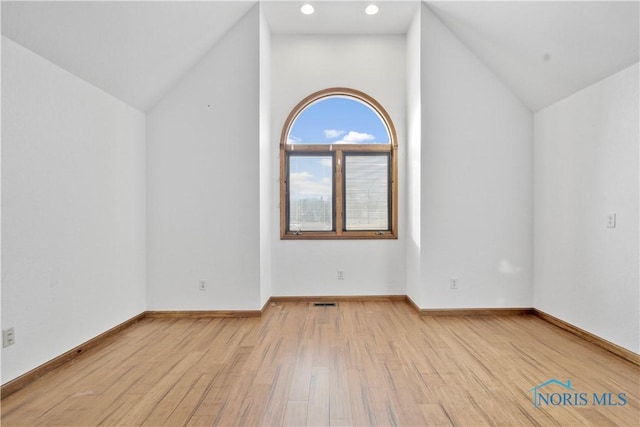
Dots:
(8, 337)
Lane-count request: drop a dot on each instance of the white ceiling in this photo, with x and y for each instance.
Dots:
(137, 51)
(339, 17)
(547, 50)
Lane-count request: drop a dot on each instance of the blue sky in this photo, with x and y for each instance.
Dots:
(336, 120)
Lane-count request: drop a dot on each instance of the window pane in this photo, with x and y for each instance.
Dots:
(366, 192)
(310, 193)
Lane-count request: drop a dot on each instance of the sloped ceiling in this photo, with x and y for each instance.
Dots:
(543, 50)
(547, 50)
(135, 51)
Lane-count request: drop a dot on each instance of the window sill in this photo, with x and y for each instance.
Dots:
(345, 235)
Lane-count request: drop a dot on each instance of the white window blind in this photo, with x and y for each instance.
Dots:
(366, 182)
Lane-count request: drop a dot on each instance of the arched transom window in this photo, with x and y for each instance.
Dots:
(338, 168)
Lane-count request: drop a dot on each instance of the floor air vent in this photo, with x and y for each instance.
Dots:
(325, 304)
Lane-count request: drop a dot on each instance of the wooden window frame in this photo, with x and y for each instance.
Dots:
(339, 151)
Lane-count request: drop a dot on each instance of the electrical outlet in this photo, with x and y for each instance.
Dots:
(453, 283)
(611, 220)
(340, 274)
(8, 337)
(202, 285)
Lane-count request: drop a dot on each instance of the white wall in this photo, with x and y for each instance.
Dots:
(586, 166)
(302, 65)
(413, 164)
(203, 188)
(266, 176)
(73, 210)
(476, 180)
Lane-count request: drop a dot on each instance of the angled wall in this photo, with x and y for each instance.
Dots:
(413, 170)
(203, 189)
(586, 166)
(73, 210)
(475, 180)
(267, 183)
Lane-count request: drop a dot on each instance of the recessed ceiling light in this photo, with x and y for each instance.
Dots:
(307, 9)
(372, 9)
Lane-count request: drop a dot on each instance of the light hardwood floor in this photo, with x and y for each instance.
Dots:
(370, 363)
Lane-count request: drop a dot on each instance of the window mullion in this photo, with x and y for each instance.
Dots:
(339, 192)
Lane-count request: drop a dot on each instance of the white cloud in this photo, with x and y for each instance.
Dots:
(300, 176)
(326, 163)
(302, 185)
(333, 133)
(293, 140)
(354, 137)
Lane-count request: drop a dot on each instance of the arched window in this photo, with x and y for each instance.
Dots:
(338, 168)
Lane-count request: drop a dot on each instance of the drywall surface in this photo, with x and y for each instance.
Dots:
(266, 160)
(476, 180)
(73, 210)
(301, 65)
(203, 188)
(413, 165)
(586, 167)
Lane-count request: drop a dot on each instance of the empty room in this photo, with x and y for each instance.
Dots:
(330, 213)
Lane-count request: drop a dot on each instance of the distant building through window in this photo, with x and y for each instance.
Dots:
(338, 168)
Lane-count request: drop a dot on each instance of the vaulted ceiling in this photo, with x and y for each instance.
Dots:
(547, 50)
(135, 50)
(544, 51)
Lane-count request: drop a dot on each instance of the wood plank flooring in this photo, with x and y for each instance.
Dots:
(361, 364)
